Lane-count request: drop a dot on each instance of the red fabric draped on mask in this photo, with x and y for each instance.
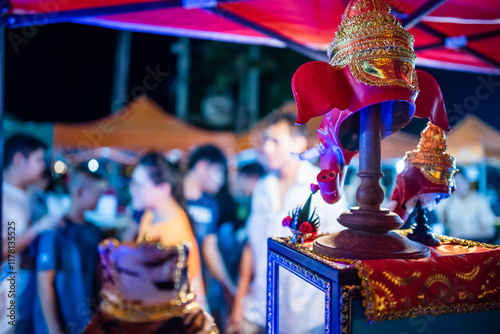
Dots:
(321, 89)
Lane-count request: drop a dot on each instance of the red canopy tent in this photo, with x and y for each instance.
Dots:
(455, 34)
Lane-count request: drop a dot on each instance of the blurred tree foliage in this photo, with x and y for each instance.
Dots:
(220, 68)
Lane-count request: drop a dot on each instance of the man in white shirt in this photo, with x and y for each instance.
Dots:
(275, 196)
(23, 165)
(467, 214)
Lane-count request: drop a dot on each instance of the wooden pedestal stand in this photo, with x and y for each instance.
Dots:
(369, 233)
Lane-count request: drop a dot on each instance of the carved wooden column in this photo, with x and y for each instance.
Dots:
(368, 234)
(369, 194)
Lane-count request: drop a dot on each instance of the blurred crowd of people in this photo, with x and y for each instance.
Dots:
(226, 220)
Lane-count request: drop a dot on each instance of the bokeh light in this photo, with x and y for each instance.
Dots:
(93, 165)
(60, 167)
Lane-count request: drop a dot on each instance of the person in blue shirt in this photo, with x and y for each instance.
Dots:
(203, 181)
(207, 173)
(222, 250)
(68, 262)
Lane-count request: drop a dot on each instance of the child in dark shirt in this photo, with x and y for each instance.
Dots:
(68, 261)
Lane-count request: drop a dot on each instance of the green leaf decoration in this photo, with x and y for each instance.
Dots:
(312, 215)
(304, 213)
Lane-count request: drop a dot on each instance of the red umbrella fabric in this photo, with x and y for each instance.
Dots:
(455, 34)
(22, 7)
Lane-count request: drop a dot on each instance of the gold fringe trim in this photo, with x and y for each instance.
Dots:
(141, 313)
(331, 262)
(464, 242)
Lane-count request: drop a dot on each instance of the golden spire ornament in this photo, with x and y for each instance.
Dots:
(431, 157)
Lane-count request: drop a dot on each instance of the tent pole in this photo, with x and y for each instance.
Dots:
(247, 110)
(253, 77)
(419, 14)
(470, 38)
(120, 87)
(2, 139)
(297, 47)
(483, 177)
(122, 69)
(428, 29)
(241, 112)
(482, 56)
(23, 20)
(488, 34)
(182, 49)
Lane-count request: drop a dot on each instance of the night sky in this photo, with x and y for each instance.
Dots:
(64, 73)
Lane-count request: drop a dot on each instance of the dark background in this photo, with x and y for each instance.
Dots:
(64, 73)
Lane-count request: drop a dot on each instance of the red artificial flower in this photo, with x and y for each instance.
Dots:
(314, 187)
(306, 227)
(287, 221)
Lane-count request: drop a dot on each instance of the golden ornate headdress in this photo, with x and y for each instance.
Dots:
(145, 289)
(135, 276)
(378, 50)
(431, 157)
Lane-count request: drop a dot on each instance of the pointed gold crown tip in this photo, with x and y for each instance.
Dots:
(431, 157)
(433, 139)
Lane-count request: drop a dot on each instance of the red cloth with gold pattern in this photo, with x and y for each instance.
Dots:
(460, 276)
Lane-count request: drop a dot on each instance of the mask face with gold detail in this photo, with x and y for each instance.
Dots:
(444, 177)
(385, 70)
(377, 49)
